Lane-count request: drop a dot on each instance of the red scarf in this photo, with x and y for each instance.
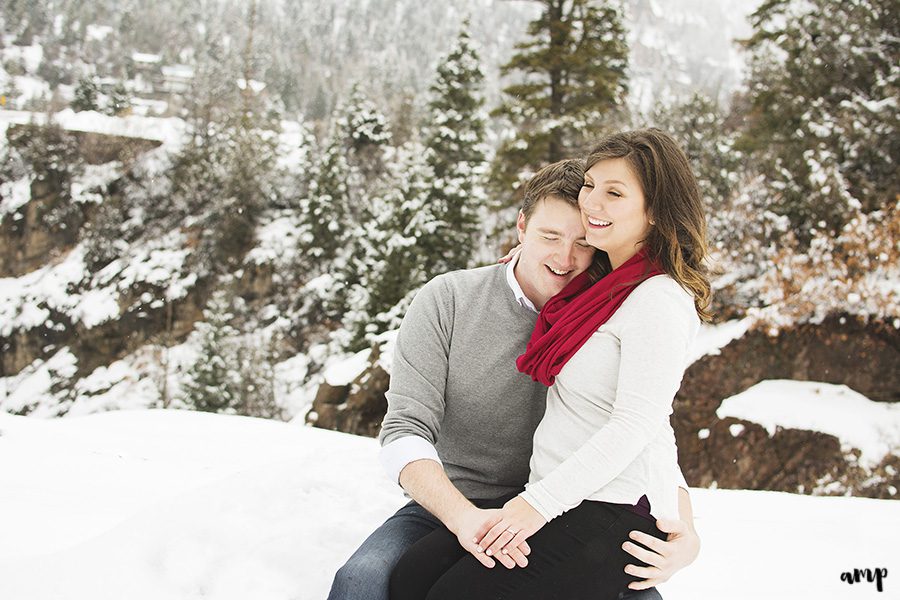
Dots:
(572, 316)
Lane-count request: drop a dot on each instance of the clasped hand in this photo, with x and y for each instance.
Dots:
(517, 521)
(488, 533)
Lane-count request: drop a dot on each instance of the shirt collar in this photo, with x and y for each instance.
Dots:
(521, 298)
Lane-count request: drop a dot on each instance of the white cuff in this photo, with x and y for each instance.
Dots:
(541, 501)
(402, 451)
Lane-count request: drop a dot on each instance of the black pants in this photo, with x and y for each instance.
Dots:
(577, 555)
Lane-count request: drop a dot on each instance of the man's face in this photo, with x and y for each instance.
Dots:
(553, 251)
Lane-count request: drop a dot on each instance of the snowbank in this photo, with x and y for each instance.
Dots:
(183, 505)
(872, 427)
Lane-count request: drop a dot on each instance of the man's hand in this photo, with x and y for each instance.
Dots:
(665, 558)
(473, 520)
(427, 483)
(518, 521)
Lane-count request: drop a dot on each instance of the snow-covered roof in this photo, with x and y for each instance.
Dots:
(97, 32)
(255, 86)
(142, 57)
(178, 71)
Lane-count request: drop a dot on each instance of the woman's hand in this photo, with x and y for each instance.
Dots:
(509, 255)
(467, 526)
(518, 521)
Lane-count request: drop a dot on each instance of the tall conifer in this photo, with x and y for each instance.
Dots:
(822, 123)
(454, 137)
(570, 76)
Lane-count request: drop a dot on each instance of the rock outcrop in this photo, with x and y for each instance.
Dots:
(731, 453)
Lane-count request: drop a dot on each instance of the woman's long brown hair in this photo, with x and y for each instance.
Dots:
(677, 239)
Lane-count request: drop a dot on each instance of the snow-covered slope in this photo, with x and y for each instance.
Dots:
(182, 505)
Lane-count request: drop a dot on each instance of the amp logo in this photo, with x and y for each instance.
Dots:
(876, 576)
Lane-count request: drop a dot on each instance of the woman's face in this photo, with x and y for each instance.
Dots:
(613, 209)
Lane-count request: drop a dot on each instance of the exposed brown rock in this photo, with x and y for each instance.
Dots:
(841, 350)
(356, 408)
(861, 355)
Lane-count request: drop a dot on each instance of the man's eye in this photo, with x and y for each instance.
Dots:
(549, 239)
(587, 185)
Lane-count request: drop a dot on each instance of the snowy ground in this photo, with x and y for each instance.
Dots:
(169, 504)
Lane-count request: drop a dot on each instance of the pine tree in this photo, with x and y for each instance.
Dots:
(119, 101)
(350, 171)
(86, 95)
(454, 137)
(389, 257)
(227, 173)
(699, 124)
(213, 382)
(572, 77)
(822, 124)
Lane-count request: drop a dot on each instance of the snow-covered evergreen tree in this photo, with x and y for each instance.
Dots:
(454, 137)
(571, 78)
(338, 212)
(213, 382)
(390, 249)
(349, 172)
(86, 95)
(823, 92)
(698, 123)
(119, 101)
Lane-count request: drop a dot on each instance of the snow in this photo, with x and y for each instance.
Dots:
(291, 393)
(24, 301)
(277, 240)
(166, 130)
(30, 88)
(178, 71)
(30, 56)
(342, 370)
(183, 505)
(31, 389)
(874, 428)
(158, 262)
(146, 58)
(97, 32)
(92, 183)
(254, 85)
(14, 195)
(712, 338)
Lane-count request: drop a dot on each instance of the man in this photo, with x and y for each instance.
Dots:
(460, 418)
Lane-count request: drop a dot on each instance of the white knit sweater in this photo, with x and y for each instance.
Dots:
(606, 433)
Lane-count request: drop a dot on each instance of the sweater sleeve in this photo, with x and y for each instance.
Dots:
(653, 355)
(418, 379)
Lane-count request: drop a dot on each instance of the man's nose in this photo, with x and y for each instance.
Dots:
(566, 257)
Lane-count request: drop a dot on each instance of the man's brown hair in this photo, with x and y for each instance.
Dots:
(561, 180)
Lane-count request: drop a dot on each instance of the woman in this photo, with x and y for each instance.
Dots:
(613, 353)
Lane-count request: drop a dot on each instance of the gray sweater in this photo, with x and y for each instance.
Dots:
(454, 382)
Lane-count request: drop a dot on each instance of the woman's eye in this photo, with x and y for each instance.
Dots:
(549, 239)
(615, 193)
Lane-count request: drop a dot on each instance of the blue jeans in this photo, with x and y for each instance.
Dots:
(366, 575)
